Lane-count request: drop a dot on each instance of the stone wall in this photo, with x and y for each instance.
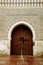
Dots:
(10, 16)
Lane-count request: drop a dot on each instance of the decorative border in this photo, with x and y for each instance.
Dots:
(25, 23)
(21, 3)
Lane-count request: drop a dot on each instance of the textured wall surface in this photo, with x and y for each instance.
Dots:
(10, 16)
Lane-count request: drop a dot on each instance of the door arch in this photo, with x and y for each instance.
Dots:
(23, 23)
(21, 41)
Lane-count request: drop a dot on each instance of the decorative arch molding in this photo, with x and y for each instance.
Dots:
(24, 23)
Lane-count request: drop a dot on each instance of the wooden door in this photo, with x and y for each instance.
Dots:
(21, 41)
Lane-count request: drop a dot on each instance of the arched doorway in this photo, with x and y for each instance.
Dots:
(21, 40)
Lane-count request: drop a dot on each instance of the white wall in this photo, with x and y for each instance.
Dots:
(5, 48)
(10, 16)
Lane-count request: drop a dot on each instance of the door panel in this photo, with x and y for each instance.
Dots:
(21, 39)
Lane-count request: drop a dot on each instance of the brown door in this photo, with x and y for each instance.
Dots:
(21, 41)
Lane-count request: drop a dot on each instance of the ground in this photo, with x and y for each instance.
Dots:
(13, 60)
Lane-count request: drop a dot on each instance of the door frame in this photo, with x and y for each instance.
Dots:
(19, 23)
(24, 23)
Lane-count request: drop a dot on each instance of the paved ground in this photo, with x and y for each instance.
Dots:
(14, 60)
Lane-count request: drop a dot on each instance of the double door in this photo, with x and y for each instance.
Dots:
(21, 42)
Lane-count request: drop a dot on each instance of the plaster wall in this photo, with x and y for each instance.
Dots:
(10, 16)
